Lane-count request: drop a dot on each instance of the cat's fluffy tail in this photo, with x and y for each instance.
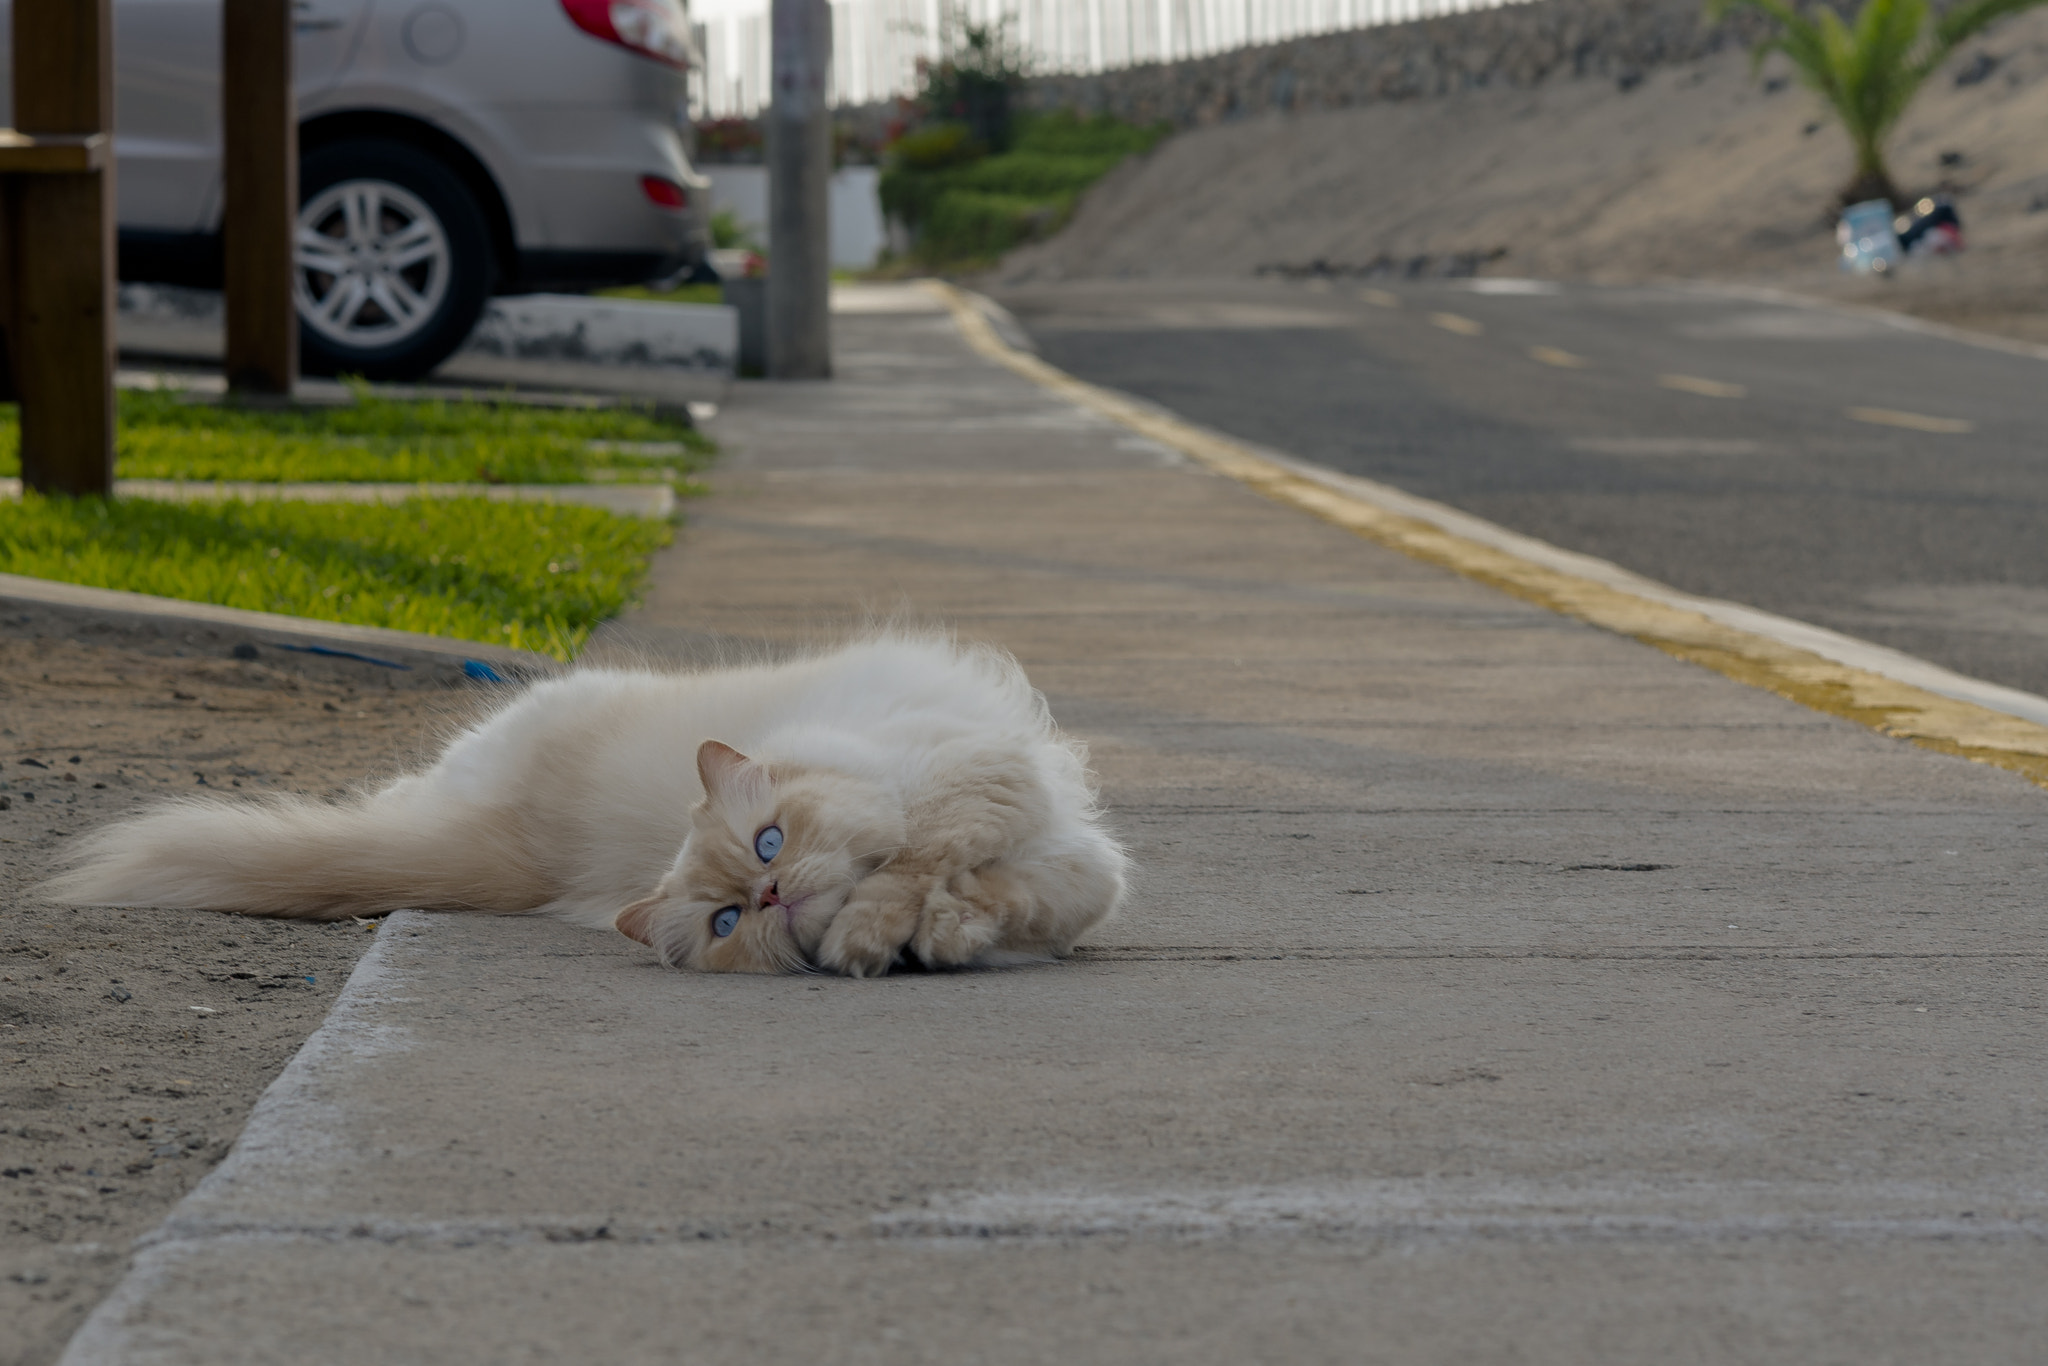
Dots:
(304, 859)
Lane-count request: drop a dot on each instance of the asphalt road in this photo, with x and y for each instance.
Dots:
(1824, 465)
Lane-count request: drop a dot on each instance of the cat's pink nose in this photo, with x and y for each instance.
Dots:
(768, 897)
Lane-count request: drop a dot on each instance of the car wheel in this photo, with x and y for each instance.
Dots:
(393, 261)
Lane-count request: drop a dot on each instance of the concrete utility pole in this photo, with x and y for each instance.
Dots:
(260, 194)
(57, 256)
(799, 186)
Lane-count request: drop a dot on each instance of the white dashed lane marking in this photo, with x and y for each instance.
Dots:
(1561, 359)
(1706, 388)
(1916, 422)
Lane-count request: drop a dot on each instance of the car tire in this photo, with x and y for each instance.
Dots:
(393, 262)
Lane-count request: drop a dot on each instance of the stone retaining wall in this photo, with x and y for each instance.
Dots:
(1518, 45)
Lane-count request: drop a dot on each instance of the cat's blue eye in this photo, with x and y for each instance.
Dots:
(768, 843)
(725, 921)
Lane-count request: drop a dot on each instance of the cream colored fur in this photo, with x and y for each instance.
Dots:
(928, 806)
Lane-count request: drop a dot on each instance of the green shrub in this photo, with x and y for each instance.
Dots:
(909, 194)
(980, 67)
(1034, 174)
(971, 225)
(975, 207)
(727, 232)
(916, 173)
(935, 147)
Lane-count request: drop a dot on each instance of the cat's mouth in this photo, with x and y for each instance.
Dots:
(806, 918)
(772, 897)
(790, 911)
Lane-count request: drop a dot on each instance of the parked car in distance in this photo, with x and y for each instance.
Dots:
(449, 150)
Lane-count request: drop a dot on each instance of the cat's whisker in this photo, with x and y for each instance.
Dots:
(845, 846)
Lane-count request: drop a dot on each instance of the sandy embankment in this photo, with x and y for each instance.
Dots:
(1700, 172)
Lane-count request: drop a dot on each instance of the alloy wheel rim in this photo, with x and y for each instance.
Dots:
(373, 264)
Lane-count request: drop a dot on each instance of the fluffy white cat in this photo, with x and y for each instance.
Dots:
(901, 795)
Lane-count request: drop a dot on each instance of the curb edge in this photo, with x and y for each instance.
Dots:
(117, 605)
(1655, 614)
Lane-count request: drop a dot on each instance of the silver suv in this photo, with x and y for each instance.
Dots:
(449, 150)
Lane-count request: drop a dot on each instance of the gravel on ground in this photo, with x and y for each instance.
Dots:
(134, 1042)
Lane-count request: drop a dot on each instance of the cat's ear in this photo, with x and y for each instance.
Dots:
(636, 922)
(727, 773)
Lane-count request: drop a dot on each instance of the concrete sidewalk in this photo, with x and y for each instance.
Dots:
(1494, 989)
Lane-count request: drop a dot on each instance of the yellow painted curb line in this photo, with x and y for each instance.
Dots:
(1871, 699)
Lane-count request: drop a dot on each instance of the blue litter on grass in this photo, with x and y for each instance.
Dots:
(340, 654)
(481, 672)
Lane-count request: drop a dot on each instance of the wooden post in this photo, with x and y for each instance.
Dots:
(260, 194)
(59, 266)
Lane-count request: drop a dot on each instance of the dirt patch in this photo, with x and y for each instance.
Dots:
(133, 1043)
(1697, 171)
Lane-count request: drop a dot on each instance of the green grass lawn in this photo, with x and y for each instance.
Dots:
(531, 576)
(162, 435)
(681, 294)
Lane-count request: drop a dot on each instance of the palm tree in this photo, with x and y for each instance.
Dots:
(1869, 72)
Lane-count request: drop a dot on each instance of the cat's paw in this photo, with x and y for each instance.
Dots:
(872, 928)
(953, 928)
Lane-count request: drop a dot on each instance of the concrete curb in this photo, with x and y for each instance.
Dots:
(288, 1106)
(622, 332)
(655, 501)
(202, 382)
(701, 339)
(76, 605)
(1891, 692)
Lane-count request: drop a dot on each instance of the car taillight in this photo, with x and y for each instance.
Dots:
(666, 193)
(652, 28)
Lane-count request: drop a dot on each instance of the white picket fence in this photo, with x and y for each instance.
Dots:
(876, 43)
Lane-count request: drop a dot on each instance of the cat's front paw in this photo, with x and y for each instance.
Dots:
(954, 927)
(874, 925)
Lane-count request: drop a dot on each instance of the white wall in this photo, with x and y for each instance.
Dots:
(856, 208)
